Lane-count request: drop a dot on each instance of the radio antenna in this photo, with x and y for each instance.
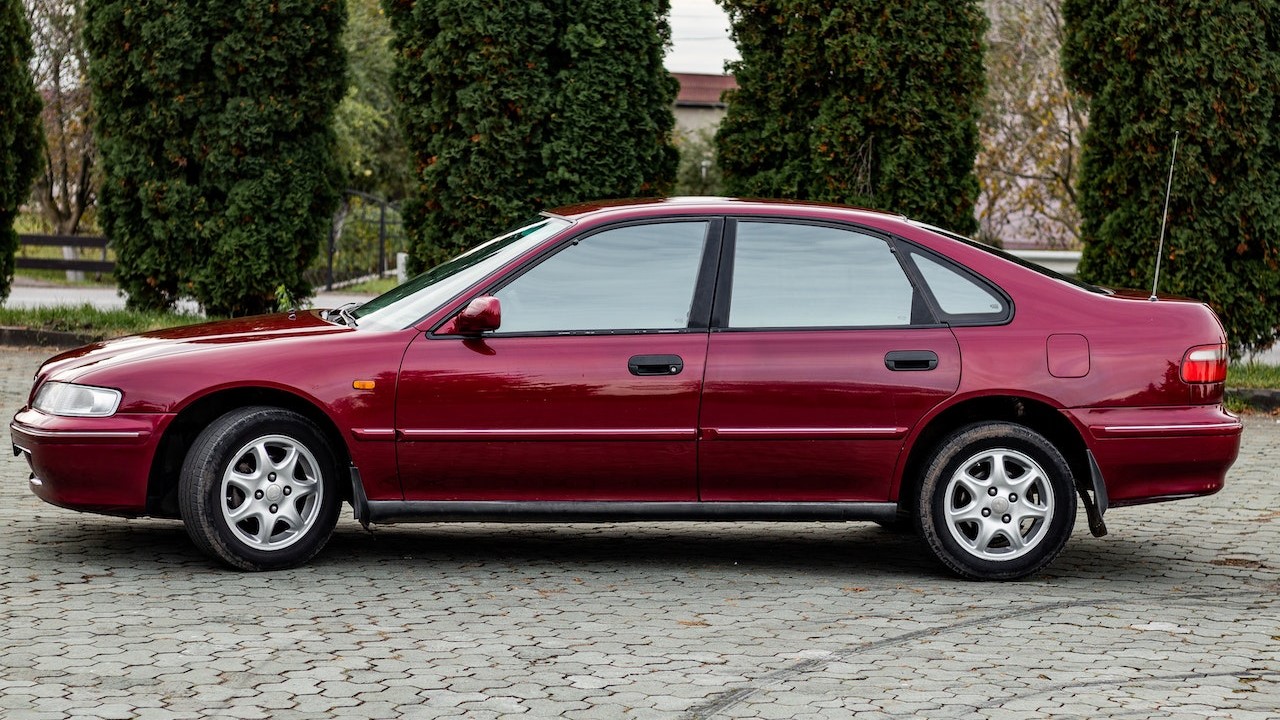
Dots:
(1164, 219)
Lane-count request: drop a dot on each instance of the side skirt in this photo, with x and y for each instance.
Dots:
(393, 511)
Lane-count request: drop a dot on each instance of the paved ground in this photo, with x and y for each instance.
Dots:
(1173, 615)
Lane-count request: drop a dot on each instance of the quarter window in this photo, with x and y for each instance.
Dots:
(955, 292)
(639, 277)
(789, 275)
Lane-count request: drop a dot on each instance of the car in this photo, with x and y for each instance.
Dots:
(700, 359)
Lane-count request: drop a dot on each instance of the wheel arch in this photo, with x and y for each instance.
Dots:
(1038, 415)
(162, 482)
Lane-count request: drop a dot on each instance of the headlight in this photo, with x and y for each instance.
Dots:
(59, 398)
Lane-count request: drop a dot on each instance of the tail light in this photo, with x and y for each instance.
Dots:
(1205, 364)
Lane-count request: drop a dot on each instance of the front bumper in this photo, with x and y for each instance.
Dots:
(97, 465)
(1162, 453)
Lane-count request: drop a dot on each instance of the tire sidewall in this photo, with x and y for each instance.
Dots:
(200, 486)
(959, 448)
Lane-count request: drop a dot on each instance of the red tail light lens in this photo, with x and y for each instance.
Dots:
(1205, 364)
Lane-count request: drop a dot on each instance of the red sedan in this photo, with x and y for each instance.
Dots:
(692, 359)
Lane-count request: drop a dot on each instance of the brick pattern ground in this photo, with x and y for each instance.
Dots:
(1172, 616)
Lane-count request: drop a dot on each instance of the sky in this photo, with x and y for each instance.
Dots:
(699, 38)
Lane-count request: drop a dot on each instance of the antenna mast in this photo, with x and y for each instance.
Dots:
(1164, 219)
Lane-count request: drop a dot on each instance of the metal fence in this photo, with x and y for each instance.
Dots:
(366, 234)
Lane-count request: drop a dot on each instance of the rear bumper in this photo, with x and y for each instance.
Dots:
(97, 465)
(1163, 453)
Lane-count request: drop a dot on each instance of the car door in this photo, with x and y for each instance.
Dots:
(588, 390)
(823, 354)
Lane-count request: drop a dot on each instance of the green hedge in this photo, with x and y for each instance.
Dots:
(868, 102)
(511, 108)
(1210, 71)
(216, 129)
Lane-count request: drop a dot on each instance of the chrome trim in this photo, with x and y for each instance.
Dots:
(805, 433)
(373, 434)
(36, 432)
(555, 434)
(1193, 427)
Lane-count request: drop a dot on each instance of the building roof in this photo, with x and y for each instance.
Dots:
(698, 90)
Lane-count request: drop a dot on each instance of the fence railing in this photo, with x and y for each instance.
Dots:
(78, 241)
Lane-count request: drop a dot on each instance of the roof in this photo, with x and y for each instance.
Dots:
(641, 207)
(702, 90)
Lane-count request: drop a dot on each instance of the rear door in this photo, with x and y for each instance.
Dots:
(823, 354)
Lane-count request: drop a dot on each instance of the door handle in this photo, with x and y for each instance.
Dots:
(655, 365)
(911, 360)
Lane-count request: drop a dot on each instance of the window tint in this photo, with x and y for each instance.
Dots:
(640, 277)
(956, 293)
(787, 275)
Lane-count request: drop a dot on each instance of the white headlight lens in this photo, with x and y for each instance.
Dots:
(58, 398)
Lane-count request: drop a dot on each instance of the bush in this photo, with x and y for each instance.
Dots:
(20, 135)
(868, 102)
(1210, 71)
(215, 121)
(511, 108)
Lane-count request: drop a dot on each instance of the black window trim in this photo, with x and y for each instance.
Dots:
(724, 283)
(700, 307)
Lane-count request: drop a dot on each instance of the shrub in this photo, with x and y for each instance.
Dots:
(20, 135)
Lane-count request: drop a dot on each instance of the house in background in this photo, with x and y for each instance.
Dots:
(699, 104)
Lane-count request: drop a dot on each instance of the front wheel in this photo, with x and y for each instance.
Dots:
(996, 502)
(258, 489)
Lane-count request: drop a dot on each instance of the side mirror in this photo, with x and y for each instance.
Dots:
(481, 314)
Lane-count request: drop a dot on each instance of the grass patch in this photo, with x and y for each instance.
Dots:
(368, 287)
(93, 322)
(1253, 375)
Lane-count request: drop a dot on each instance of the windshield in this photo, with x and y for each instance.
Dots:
(1013, 258)
(405, 304)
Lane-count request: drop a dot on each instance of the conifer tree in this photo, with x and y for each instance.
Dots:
(868, 102)
(216, 129)
(511, 108)
(20, 134)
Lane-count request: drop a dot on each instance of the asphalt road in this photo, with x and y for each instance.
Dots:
(1174, 615)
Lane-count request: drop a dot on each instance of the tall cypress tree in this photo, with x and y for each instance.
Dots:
(215, 122)
(511, 108)
(869, 102)
(1211, 72)
(20, 134)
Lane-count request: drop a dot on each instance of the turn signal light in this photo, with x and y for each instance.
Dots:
(1205, 364)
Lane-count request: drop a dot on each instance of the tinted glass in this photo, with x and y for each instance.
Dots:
(788, 275)
(404, 304)
(956, 293)
(640, 277)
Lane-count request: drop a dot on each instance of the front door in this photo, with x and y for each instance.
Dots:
(589, 389)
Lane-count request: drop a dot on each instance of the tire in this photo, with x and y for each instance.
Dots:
(1027, 520)
(258, 489)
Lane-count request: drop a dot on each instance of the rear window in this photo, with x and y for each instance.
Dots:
(1013, 258)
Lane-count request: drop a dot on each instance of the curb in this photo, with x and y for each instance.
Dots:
(1259, 399)
(28, 337)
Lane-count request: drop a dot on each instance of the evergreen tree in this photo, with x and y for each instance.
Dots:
(1211, 72)
(20, 135)
(868, 102)
(511, 108)
(216, 128)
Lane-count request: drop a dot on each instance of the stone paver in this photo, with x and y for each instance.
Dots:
(1174, 615)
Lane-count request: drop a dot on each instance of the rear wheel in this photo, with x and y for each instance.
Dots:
(258, 489)
(996, 502)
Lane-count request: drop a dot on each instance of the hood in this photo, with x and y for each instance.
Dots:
(187, 339)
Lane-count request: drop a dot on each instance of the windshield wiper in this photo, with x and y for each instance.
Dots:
(344, 313)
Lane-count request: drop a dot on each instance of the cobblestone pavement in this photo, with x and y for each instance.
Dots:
(1173, 615)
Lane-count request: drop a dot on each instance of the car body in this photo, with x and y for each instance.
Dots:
(706, 358)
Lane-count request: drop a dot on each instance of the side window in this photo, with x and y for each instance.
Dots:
(788, 275)
(639, 277)
(957, 293)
